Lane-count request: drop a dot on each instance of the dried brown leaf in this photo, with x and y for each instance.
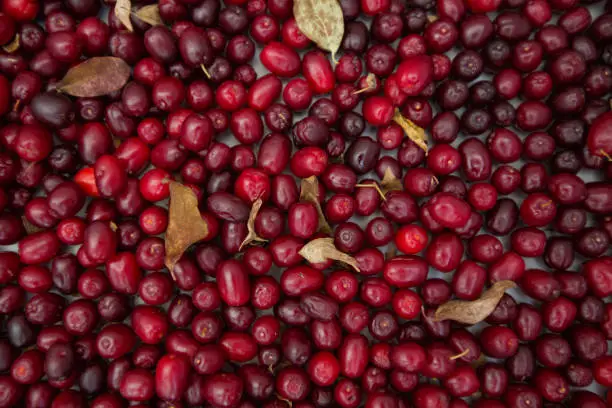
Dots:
(309, 191)
(150, 15)
(321, 21)
(391, 252)
(13, 45)
(185, 224)
(414, 132)
(29, 227)
(95, 77)
(390, 182)
(123, 9)
(252, 235)
(321, 249)
(472, 312)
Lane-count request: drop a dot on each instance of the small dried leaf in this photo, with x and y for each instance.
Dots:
(123, 9)
(185, 224)
(95, 77)
(321, 249)
(390, 182)
(414, 132)
(13, 45)
(309, 191)
(321, 21)
(480, 361)
(391, 252)
(150, 15)
(29, 227)
(252, 235)
(472, 312)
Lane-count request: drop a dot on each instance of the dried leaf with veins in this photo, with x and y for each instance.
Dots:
(472, 312)
(123, 9)
(390, 182)
(150, 15)
(321, 249)
(252, 235)
(185, 224)
(321, 21)
(414, 132)
(13, 45)
(95, 77)
(309, 191)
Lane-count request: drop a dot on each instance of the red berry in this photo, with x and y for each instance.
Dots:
(411, 239)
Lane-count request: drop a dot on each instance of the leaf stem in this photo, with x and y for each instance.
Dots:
(205, 71)
(375, 186)
(458, 356)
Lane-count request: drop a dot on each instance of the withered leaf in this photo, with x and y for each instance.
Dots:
(309, 191)
(472, 312)
(391, 252)
(185, 224)
(123, 9)
(95, 77)
(321, 249)
(29, 227)
(150, 15)
(252, 235)
(13, 45)
(390, 182)
(321, 21)
(414, 132)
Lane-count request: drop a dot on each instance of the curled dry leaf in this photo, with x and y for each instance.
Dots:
(309, 191)
(29, 227)
(252, 235)
(321, 249)
(472, 312)
(390, 182)
(13, 45)
(321, 21)
(150, 15)
(185, 224)
(95, 77)
(123, 9)
(414, 132)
